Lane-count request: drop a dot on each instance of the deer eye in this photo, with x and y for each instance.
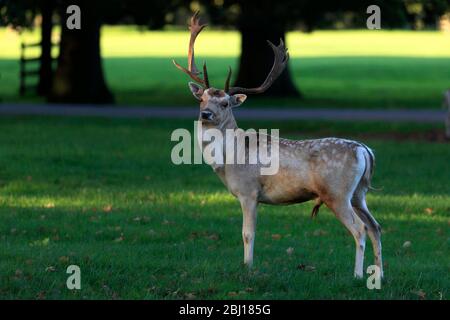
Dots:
(224, 104)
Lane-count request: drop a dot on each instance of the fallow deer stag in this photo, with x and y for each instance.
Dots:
(333, 171)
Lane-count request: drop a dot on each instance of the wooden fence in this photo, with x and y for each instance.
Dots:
(29, 68)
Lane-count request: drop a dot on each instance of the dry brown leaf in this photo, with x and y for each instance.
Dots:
(190, 296)
(276, 236)
(119, 239)
(420, 293)
(41, 295)
(64, 259)
(319, 232)
(310, 268)
(213, 236)
(307, 268)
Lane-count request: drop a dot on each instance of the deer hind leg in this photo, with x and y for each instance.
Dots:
(249, 206)
(373, 228)
(345, 213)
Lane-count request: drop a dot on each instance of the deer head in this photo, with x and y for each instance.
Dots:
(216, 104)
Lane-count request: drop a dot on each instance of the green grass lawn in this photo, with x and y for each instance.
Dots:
(337, 69)
(103, 194)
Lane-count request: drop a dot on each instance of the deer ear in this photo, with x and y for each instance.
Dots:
(237, 99)
(196, 90)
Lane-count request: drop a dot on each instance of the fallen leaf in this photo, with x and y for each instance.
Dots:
(40, 295)
(119, 239)
(276, 236)
(213, 236)
(289, 250)
(232, 294)
(50, 269)
(190, 296)
(420, 293)
(407, 244)
(64, 259)
(429, 211)
(40, 243)
(49, 205)
(319, 232)
(307, 268)
(107, 208)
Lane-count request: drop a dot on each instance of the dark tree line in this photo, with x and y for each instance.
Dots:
(79, 74)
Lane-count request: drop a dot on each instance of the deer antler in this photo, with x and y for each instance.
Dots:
(280, 62)
(195, 27)
(227, 82)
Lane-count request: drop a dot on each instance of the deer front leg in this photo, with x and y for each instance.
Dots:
(248, 205)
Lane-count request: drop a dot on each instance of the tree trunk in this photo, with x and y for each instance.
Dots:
(257, 60)
(447, 119)
(260, 21)
(79, 76)
(45, 60)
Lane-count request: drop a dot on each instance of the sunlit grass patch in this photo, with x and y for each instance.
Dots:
(120, 41)
(343, 69)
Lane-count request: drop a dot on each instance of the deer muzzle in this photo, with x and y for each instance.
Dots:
(207, 115)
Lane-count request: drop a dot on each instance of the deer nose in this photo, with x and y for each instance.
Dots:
(206, 115)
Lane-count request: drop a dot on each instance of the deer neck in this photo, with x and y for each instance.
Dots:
(228, 124)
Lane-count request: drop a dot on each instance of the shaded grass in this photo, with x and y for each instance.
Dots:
(340, 69)
(104, 195)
